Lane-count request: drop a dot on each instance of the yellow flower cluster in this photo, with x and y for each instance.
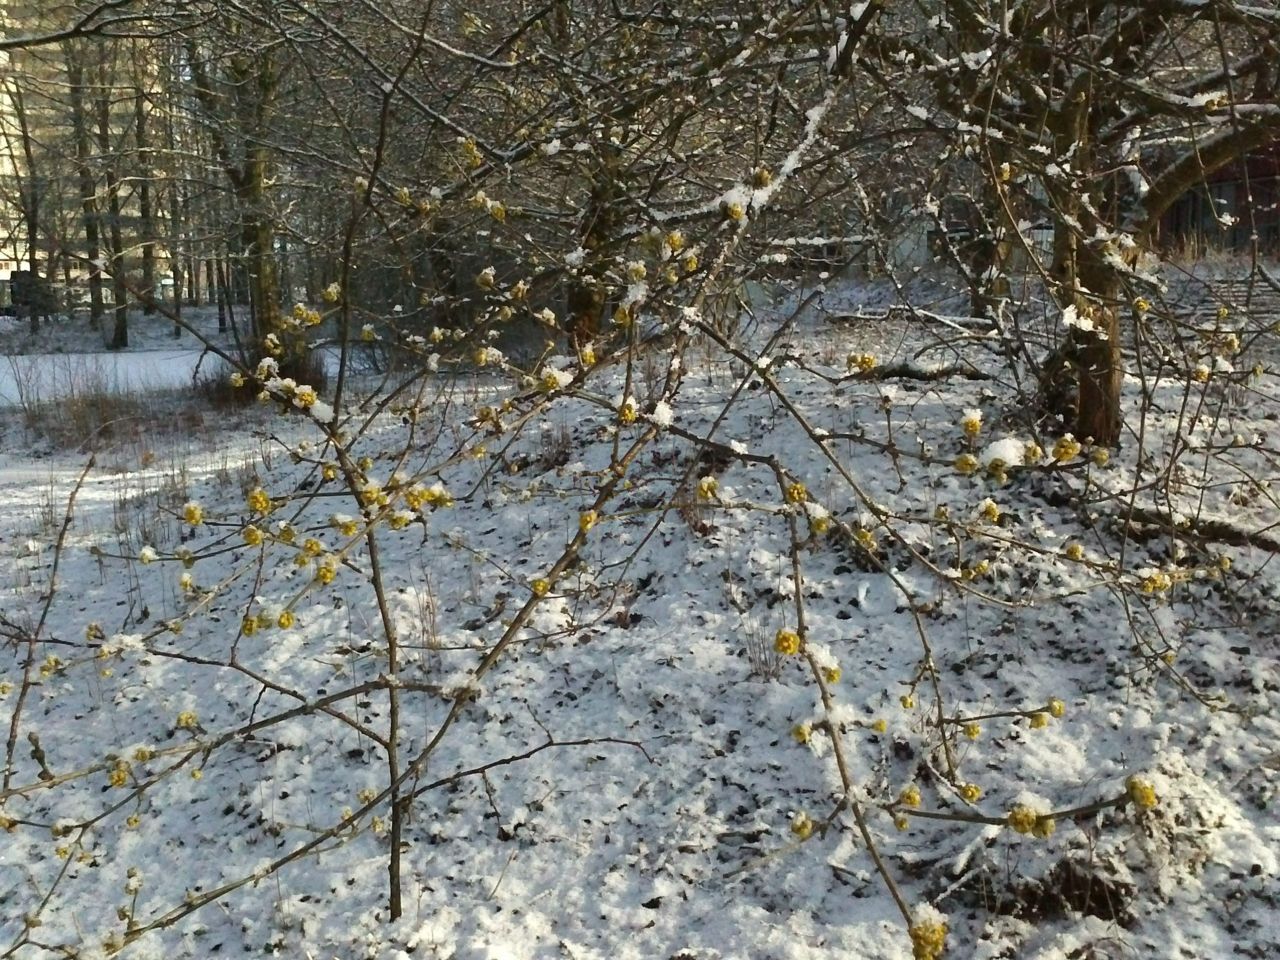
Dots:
(541, 586)
(193, 513)
(797, 493)
(707, 488)
(1022, 819)
(587, 520)
(259, 501)
(928, 939)
(802, 825)
(786, 642)
(966, 464)
(910, 796)
(979, 569)
(187, 720)
(801, 733)
(1066, 448)
(471, 155)
(1157, 582)
(304, 316)
(970, 792)
(1039, 721)
(418, 496)
(861, 362)
(346, 525)
(971, 423)
(372, 495)
(972, 730)
(327, 570)
(1141, 793)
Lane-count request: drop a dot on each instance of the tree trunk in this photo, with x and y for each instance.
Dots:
(177, 224)
(87, 185)
(119, 288)
(177, 298)
(29, 198)
(226, 309)
(990, 252)
(1098, 361)
(146, 222)
(196, 276)
(597, 231)
(260, 259)
(219, 287)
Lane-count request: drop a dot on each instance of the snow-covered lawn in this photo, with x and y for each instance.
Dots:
(47, 378)
(636, 772)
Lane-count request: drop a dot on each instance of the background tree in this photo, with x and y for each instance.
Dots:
(1096, 117)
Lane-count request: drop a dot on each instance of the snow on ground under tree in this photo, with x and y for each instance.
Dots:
(658, 801)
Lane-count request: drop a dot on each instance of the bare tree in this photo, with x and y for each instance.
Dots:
(1097, 117)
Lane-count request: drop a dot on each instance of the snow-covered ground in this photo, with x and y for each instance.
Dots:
(44, 378)
(66, 358)
(602, 752)
(75, 334)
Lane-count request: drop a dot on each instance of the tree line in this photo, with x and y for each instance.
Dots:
(255, 152)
